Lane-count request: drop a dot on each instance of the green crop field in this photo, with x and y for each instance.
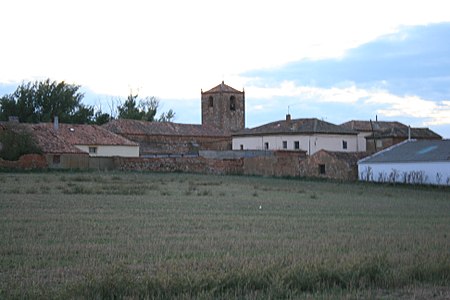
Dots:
(159, 236)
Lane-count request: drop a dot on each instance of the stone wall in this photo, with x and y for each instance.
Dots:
(180, 164)
(281, 163)
(332, 165)
(25, 162)
(149, 145)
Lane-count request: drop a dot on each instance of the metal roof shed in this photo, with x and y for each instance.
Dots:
(413, 162)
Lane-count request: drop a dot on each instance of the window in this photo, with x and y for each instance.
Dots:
(344, 144)
(321, 169)
(211, 101)
(56, 159)
(296, 145)
(232, 103)
(92, 150)
(284, 144)
(266, 146)
(242, 147)
(379, 144)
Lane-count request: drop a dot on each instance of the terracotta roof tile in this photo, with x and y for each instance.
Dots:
(136, 127)
(64, 139)
(222, 88)
(297, 126)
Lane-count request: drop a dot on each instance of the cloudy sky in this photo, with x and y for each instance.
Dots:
(334, 60)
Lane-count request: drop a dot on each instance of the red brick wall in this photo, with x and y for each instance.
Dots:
(26, 162)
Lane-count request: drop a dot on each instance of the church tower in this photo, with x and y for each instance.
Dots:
(224, 108)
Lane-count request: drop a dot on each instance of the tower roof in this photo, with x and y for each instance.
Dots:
(222, 88)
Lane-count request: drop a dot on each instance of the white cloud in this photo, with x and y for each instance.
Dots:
(171, 49)
(430, 112)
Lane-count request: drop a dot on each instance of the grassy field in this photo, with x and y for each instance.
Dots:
(144, 235)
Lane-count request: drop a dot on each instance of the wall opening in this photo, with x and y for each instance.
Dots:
(266, 146)
(93, 150)
(210, 101)
(344, 144)
(232, 103)
(321, 169)
(284, 144)
(296, 145)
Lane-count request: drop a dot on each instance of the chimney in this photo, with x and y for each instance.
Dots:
(409, 133)
(56, 123)
(288, 117)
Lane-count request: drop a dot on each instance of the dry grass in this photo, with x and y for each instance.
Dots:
(141, 235)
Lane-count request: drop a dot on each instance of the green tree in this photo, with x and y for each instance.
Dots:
(15, 143)
(139, 109)
(167, 116)
(41, 101)
(101, 118)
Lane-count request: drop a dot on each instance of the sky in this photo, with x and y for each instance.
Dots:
(333, 60)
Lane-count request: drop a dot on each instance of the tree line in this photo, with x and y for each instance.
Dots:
(41, 101)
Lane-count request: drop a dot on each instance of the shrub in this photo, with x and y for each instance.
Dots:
(14, 144)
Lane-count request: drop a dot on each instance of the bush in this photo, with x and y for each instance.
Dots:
(14, 144)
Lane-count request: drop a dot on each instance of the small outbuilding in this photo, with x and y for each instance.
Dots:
(411, 162)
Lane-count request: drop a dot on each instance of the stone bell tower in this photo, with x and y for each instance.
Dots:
(224, 108)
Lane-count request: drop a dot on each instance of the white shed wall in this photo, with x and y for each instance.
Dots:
(108, 151)
(309, 143)
(437, 173)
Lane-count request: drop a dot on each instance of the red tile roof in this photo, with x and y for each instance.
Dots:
(384, 129)
(222, 88)
(297, 126)
(136, 127)
(64, 139)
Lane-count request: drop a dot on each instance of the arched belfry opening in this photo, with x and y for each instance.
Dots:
(224, 108)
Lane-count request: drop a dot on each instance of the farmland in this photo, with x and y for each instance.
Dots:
(146, 235)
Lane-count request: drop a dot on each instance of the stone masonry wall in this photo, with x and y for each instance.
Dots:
(335, 168)
(178, 144)
(25, 162)
(180, 164)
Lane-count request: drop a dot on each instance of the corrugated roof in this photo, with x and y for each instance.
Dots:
(136, 127)
(297, 126)
(413, 151)
(222, 88)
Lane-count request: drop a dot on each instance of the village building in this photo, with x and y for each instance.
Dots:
(331, 165)
(377, 135)
(169, 139)
(71, 145)
(223, 112)
(409, 162)
(310, 135)
(223, 107)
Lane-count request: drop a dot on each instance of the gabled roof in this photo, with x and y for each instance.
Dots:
(296, 126)
(350, 157)
(82, 134)
(416, 133)
(413, 151)
(385, 129)
(222, 88)
(366, 126)
(136, 127)
(67, 136)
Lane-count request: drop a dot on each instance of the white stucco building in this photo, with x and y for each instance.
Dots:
(310, 135)
(413, 162)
